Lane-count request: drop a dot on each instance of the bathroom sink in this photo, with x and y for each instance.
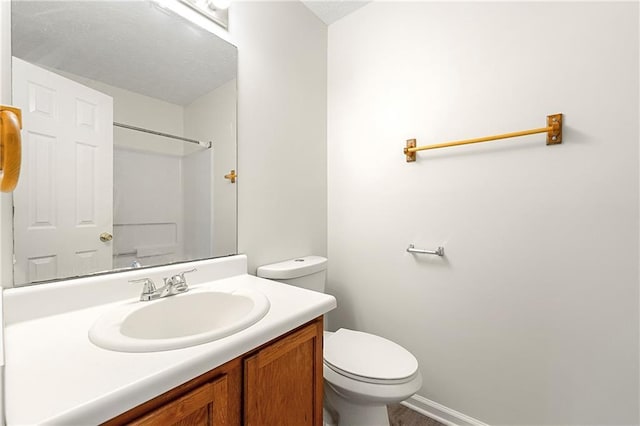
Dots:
(175, 322)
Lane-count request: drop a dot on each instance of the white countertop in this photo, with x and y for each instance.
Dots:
(55, 375)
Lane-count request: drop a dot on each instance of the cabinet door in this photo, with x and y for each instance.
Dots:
(283, 381)
(206, 405)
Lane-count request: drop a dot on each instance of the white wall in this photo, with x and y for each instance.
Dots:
(6, 200)
(532, 316)
(281, 130)
(212, 117)
(143, 111)
(148, 222)
(197, 192)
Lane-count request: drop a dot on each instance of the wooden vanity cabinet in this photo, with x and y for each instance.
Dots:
(283, 381)
(277, 384)
(205, 405)
(210, 399)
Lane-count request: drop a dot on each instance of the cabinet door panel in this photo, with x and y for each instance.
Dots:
(283, 382)
(206, 405)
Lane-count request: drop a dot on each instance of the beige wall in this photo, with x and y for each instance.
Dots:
(532, 316)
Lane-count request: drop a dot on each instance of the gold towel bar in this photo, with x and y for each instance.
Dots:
(553, 131)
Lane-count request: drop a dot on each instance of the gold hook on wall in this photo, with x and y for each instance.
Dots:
(231, 176)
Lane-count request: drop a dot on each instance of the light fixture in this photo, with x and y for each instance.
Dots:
(207, 14)
(216, 10)
(219, 4)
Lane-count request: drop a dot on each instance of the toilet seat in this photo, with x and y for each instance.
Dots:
(368, 358)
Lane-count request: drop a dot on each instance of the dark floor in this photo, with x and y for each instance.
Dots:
(399, 415)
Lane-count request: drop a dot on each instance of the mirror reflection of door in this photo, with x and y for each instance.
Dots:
(64, 203)
(171, 85)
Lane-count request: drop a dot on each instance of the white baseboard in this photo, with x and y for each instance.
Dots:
(440, 413)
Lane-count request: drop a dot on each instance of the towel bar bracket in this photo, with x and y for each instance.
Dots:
(411, 155)
(554, 135)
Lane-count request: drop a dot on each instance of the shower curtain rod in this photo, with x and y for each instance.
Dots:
(166, 135)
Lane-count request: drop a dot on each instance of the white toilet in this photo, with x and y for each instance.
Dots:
(362, 372)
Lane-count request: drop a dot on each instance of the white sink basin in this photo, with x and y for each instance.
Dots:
(175, 322)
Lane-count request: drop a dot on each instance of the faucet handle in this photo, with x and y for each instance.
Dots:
(148, 289)
(180, 279)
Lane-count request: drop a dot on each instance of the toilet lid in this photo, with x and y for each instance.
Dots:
(368, 357)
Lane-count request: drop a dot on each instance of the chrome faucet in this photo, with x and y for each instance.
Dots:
(173, 285)
(176, 284)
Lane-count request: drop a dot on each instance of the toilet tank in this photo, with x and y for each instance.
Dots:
(307, 272)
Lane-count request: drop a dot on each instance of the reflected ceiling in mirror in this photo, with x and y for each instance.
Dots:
(93, 197)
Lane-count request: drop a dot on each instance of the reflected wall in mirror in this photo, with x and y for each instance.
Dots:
(94, 196)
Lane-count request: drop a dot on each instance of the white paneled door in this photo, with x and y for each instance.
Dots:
(64, 201)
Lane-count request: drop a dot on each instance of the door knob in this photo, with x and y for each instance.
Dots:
(106, 237)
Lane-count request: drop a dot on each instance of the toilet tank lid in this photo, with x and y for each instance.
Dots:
(293, 268)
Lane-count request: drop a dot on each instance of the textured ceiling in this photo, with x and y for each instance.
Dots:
(134, 45)
(331, 11)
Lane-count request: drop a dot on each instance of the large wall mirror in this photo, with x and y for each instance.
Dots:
(129, 114)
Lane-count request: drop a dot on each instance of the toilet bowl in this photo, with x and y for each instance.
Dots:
(362, 372)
